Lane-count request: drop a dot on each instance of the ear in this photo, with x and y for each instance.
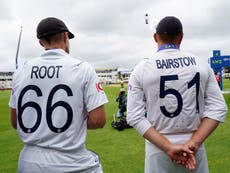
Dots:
(40, 42)
(180, 39)
(66, 36)
(155, 38)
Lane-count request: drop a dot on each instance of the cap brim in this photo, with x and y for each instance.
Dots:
(70, 35)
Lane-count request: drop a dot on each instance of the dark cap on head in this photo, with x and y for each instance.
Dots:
(169, 25)
(50, 26)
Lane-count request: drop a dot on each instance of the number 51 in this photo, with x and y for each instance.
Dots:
(164, 92)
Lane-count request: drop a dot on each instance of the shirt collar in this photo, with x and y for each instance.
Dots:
(167, 46)
(54, 52)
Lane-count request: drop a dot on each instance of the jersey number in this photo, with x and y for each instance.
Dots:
(49, 108)
(164, 92)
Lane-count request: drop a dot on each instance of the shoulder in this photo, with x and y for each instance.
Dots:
(87, 67)
(24, 66)
(190, 54)
(141, 65)
(76, 63)
(139, 72)
(86, 70)
(202, 61)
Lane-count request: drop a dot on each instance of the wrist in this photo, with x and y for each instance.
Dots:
(194, 145)
(168, 148)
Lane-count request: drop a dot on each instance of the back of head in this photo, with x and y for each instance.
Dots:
(169, 25)
(53, 33)
(169, 29)
(51, 26)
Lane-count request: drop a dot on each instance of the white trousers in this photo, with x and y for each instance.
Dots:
(39, 160)
(157, 161)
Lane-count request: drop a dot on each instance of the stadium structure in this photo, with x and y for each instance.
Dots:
(113, 75)
(6, 80)
(106, 76)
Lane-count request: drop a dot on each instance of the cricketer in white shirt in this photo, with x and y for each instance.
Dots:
(177, 90)
(53, 95)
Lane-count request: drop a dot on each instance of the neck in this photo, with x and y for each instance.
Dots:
(50, 47)
(53, 46)
(164, 39)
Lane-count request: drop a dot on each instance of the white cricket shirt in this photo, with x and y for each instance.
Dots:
(53, 95)
(176, 89)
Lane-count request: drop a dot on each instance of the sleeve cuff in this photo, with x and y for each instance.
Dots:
(142, 126)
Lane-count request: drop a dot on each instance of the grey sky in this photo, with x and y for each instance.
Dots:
(112, 33)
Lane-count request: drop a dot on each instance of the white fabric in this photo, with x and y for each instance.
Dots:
(64, 90)
(40, 160)
(157, 161)
(149, 81)
(175, 89)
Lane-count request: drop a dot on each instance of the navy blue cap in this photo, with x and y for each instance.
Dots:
(50, 26)
(169, 25)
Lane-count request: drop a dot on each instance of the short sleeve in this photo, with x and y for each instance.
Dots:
(12, 102)
(94, 95)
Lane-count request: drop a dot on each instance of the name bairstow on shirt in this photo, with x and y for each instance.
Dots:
(175, 62)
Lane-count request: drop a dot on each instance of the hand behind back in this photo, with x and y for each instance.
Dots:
(183, 155)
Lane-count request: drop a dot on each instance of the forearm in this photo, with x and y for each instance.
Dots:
(179, 153)
(96, 118)
(153, 136)
(94, 125)
(206, 127)
(13, 118)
